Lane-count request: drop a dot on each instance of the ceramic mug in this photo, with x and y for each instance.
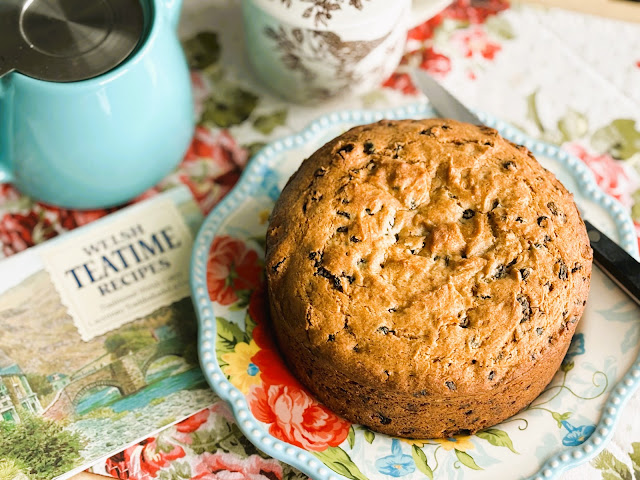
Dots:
(103, 141)
(313, 50)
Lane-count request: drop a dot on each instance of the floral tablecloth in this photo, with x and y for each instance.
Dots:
(564, 77)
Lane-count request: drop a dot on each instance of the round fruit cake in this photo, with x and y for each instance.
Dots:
(425, 277)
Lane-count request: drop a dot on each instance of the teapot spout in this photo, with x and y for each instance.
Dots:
(172, 11)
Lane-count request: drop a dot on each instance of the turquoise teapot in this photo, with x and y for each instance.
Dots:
(101, 141)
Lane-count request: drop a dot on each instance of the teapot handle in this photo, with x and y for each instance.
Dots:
(172, 11)
(6, 176)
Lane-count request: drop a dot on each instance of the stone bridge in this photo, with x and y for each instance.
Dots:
(127, 374)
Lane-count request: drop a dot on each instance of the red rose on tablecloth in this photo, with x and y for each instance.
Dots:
(474, 12)
(434, 62)
(211, 166)
(297, 418)
(401, 81)
(229, 466)
(70, 219)
(194, 422)
(142, 461)
(475, 42)
(233, 270)
(614, 177)
(19, 232)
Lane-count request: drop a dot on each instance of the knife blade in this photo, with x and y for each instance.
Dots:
(612, 259)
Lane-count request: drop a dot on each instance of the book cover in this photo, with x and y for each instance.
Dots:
(98, 339)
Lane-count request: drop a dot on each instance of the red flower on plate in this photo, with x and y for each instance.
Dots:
(435, 62)
(19, 232)
(297, 418)
(614, 177)
(232, 269)
(475, 42)
(142, 461)
(229, 466)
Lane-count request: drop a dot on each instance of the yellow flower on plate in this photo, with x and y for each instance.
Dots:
(461, 443)
(416, 442)
(241, 370)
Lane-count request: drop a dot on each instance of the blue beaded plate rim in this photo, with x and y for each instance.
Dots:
(302, 459)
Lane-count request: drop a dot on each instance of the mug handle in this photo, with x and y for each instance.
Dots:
(423, 10)
(6, 176)
(172, 10)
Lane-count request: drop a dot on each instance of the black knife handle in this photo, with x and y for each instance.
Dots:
(616, 263)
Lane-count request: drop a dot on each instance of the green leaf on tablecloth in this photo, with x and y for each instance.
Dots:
(227, 106)
(497, 437)
(267, 123)
(573, 125)
(532, 110)
(254, 148)
(229, 334)
(373, 97)
(560, 417)
(500, 27)
(202, 50)
(181, 469)
(467, 460)
(420, 459)
(610, 467)
(340, 462)
(620, 138)
(635, 210)
(351, 438)
(635, 460)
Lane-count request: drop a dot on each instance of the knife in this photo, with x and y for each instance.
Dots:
(612, 259)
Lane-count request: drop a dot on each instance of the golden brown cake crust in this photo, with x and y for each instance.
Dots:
(419, 269)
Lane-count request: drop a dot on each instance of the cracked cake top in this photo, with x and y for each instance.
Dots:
(426, 252)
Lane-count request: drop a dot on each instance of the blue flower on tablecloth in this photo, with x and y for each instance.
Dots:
(397, 464)
(577, 435)
(576, 347)
(269, 183)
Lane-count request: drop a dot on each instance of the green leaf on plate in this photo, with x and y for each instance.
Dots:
(420, 459)
(497, 437)
(559, 418)
(568, 366)
(611, 467)
(500, 27)
(228, 105)
(202, 50)
(635, 460)
(340, 462)
(229, 334)
(573, 125)
(621, 139)
(369, 436)
(351, 438)
(466, 459)
(267, 123)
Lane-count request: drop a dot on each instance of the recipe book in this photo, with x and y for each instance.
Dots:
(98, 339)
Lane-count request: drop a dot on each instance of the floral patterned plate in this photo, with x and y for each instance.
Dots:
(569, 423)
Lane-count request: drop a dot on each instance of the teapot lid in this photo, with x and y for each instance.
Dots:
(67, 40)
(332, 14)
